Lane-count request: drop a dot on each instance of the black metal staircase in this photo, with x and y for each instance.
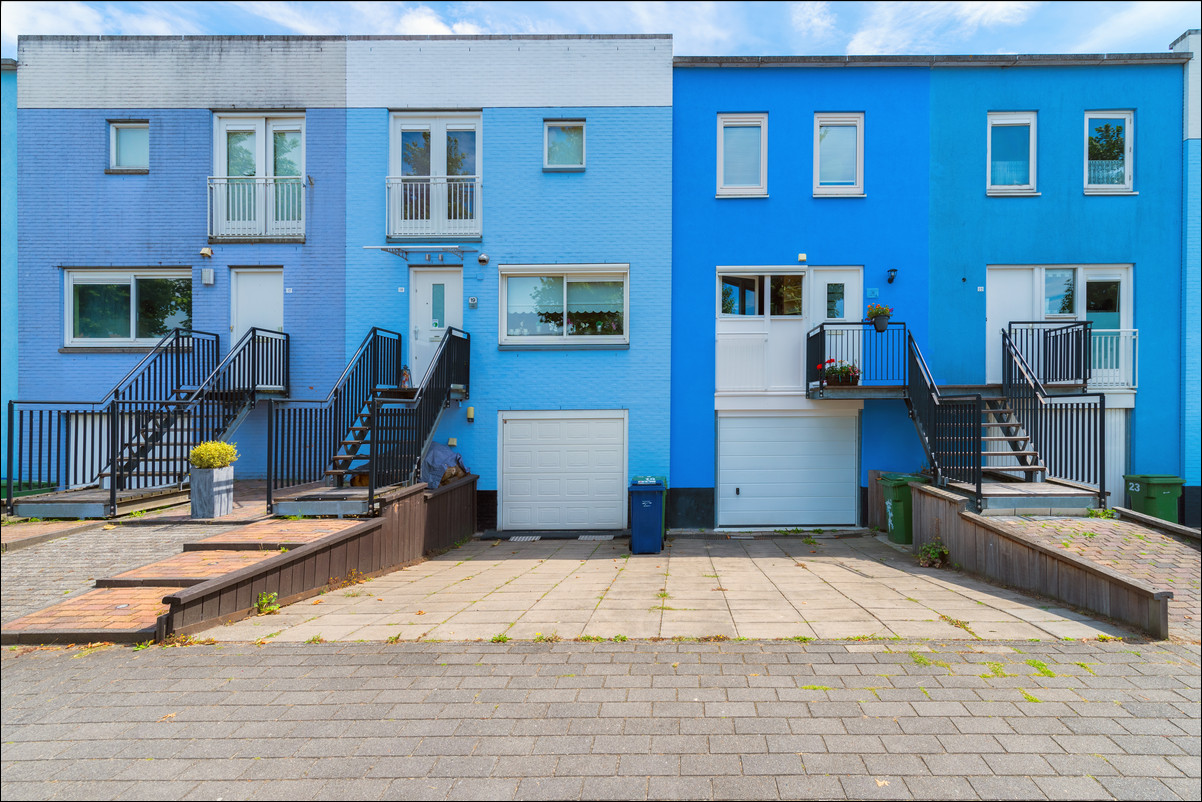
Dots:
(369, 433)
(138, 437)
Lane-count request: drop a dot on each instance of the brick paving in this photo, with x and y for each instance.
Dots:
(196, 565)
(38, 576)
(15, 534)
(275, 532)
(1167, 562)
(633, 720)
(98, 610)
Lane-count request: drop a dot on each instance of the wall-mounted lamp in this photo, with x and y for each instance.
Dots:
(892, 274)
(471, 414)
(206, 252)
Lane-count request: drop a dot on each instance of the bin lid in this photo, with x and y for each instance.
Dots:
(1154, 478)
(903, 478)
(646, 483)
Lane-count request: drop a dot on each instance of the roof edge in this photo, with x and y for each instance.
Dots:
(343, 37)
(1189, 32)
(1029, 60)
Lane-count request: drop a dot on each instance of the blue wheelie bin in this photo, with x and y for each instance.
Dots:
(647, 515)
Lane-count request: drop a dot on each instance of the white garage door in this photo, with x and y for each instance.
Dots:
(563, 470)
(787, 471)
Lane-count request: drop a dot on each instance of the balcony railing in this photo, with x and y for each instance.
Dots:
(439, 206)
(1114, 358)
(248, 208)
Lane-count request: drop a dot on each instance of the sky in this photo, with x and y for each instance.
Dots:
(698, 28)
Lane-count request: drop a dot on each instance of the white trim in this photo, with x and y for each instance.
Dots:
(744, 121)
(1017, 118)
(434, 122)
(565, 123)
(560, 414)
(74, 276)
(113, 128)
(841, 119)
(262, 126)
(1128, 185)
(570, 273)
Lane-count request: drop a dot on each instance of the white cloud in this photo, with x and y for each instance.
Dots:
(1134, 22)
(82, 19)
(914, 27)
(813, 20)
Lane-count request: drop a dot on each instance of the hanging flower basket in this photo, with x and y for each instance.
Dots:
(880, 315)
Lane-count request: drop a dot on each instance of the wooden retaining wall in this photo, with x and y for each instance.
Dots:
(981, 546)
(413, 524)
(875, 514)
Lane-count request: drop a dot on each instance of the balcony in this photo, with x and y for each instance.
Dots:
(880, 357)
(1114, 355)
(434, 207)
(258, 208)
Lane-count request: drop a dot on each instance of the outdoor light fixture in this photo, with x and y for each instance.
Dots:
(892, 274)
(206, 252)
(471, 414)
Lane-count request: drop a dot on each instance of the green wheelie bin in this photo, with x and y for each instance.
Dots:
(899, 505)
(1154, 494)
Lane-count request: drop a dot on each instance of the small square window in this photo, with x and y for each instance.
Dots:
(1109, 142)
(743, 154)
(563, 145)
(129, 146)
(839, 154)
(1010, 153)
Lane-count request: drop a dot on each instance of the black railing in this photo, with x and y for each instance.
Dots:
(303, 437)
(948, 425)
(402, 429)
(879, 355)
(58, 445)
(1056, 352)
(1069, 432)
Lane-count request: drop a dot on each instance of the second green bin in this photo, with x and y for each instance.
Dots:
(899, 505)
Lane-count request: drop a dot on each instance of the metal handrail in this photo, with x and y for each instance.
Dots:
(1062, 347)
(880, 356)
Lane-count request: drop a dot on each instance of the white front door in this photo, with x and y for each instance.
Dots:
(435, 303)
(838, 297)
(258, 301)
(563, 470)
(1009, 296)
(787, 470)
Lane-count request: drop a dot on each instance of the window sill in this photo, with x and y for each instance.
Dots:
(127, 171)
(1001, 193)
(579, 169)
(564, 347)
(409, 238)
(106, 349)
(1109, 192)
(736, 195)
(256, 240)
(840, 195)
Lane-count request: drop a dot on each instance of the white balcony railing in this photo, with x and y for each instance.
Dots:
(264, 206)
(440, 206)
(1115, 359)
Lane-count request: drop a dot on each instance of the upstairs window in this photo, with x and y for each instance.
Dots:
(1109, 139)
(434, 176)
(258, 188)
(563, 145)
(742, 154)
(1011, 153)
(129, 146)
(839, 154)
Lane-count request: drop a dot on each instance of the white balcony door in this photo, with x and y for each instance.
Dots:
(838, 297)
(262, 160)
(434, 170)
(435, 303)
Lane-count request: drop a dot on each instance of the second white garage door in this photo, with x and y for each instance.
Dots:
(563, 470)
(787, 470)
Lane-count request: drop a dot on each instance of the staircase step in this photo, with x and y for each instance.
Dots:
(343, 472)
(999, 438)
(1023, 468)
(1009, 453)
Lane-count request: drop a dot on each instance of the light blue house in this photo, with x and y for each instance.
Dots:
(8, 241)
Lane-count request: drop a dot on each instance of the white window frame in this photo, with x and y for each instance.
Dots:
(570, 273)
(435, 123)
(841, 119)
(114, 127)
(77, 276)
(264, 127)
(744, 121)
(565, 168)
(1002, 118)
(1128, 185)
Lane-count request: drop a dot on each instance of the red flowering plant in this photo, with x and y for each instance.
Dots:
(878, 310)
(839, 370)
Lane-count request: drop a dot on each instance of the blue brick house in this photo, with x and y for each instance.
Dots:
(970, 195)
(8, 240)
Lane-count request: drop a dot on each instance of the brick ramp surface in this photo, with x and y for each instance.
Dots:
(101, 614)
(188, 568)
(1167, 562)
(273, 534)
(635, 720)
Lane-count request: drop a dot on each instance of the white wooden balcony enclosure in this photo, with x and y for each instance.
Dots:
(266, 207)
(438, 206)
(1115, 359)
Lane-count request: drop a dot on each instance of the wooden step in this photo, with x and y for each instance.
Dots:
(999, 438)
(1009, 453)
(1023, 468)
(343, 472)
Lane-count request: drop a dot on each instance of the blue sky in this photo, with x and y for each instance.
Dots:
(715, 28)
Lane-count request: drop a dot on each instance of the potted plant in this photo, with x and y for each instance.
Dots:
(879, 314)
(212, 479)
(836, 372)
